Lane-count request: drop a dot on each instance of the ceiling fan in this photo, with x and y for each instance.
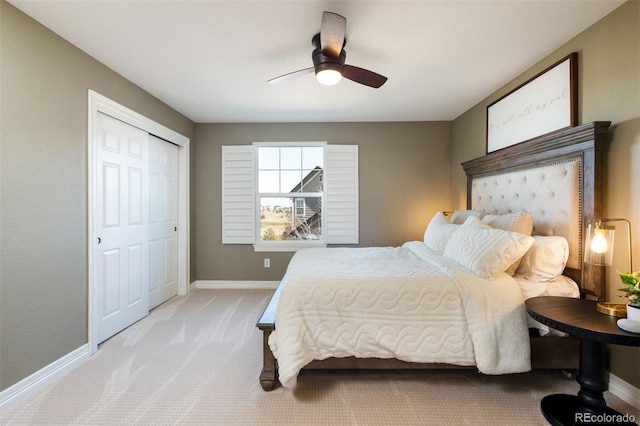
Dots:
(329, 57)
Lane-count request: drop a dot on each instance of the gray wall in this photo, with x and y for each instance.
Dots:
(404, 178)
(43, 188)
(608, 90)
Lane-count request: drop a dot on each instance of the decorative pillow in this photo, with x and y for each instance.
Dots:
(438, 232)
(459, 216)
(546, 259)
(484, 250)
(521, 221)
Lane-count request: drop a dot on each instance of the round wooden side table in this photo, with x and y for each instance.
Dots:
(579, 317)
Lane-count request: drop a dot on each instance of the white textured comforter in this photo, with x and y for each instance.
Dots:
(396, 302)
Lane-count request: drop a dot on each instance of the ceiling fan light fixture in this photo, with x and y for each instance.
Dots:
(328, 76)
(328, 69)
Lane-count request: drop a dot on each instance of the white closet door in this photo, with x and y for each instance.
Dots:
(163, 221)
(121, 255)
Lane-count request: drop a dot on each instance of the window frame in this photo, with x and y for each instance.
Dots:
(288, 245)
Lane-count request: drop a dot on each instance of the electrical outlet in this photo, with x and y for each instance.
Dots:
(267, 263)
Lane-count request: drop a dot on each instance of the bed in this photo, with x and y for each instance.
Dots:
(435, 304)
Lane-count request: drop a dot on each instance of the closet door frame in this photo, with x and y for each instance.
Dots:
(99, 103)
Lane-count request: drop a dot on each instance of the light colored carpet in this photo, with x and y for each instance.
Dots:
(196, 360)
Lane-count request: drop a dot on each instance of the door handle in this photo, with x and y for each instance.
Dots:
(99, 240)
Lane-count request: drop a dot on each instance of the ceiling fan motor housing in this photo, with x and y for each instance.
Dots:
(323, 62)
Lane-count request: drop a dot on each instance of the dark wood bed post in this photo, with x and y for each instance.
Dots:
(589, 142)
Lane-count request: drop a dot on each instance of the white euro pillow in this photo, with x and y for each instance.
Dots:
(483, 250)
(438, 232)
(546, 259)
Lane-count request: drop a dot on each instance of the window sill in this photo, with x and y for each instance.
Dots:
(286, 246)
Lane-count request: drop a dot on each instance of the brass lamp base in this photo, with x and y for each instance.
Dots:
(618, 310)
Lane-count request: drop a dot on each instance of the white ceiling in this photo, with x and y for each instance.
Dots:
(210, 60)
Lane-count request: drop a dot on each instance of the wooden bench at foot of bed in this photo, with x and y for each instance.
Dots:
(561, 353)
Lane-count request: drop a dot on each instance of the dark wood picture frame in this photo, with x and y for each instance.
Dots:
(545, 103)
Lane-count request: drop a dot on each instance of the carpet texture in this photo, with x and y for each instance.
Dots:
(196, 360)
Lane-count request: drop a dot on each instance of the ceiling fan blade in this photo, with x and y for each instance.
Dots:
(362, 76)
(291, 75)
(332, 32)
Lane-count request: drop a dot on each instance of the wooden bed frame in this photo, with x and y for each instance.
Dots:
(586, 143)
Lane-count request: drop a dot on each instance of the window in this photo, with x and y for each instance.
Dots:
(284, 196)
(300, 206)
(290, 192)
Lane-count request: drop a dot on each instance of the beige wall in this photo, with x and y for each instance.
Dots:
(43, 186)
(403, 180)
(609, 90)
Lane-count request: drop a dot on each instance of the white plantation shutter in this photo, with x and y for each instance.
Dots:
(340, 211)
(238, 195)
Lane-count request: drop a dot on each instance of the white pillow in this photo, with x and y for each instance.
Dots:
(546, 259)
(459, 216)
(484, 250)
(520, 221)
(438, 232)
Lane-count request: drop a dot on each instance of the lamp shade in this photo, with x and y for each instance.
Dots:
(599, 244)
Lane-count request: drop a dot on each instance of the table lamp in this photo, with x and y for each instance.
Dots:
(599, 251)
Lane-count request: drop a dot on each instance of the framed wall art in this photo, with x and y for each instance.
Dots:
(543, 104)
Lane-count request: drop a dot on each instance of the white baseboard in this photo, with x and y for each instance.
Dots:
(15, 393)
(623, 390)
(222, 284)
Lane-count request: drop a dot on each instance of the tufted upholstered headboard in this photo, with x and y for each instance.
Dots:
(549, 192)
(558, 178)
